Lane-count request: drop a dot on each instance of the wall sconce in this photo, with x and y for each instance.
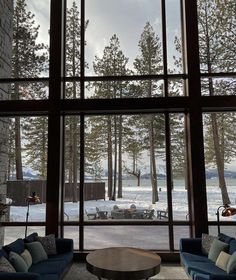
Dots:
(226, 212)
(34, 199)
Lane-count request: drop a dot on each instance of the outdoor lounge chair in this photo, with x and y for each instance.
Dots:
(91, 215)
(116, 214)
(148, 214)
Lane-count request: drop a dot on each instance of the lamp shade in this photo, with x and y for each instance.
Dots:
(228, 211)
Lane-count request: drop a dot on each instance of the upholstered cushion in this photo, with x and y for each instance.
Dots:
(222, 260)
(216, 247)
(225, 238)
(37, 251)
(231, 266)
(206, 242)
(31, 238)
(27, 257)
(18, 262)
(6, 266)
(17, 246)
(49, 243)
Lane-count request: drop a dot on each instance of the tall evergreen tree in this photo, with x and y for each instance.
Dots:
(147, 63)
(29, 60)
(113, 62)
(73, 67)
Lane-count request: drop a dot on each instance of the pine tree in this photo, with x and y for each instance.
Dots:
(112, 63)
(73, 64)
(147, 63)
(29, 60)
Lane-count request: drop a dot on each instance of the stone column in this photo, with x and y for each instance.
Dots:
(6, 23)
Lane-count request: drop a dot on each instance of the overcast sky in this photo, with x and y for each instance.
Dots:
(125, 18)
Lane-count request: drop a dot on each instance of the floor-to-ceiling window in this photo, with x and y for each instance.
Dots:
(108, 103)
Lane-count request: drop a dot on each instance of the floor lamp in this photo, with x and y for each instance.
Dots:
(34, 199)
(226, 212)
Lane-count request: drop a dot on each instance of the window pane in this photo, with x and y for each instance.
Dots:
(180, 232)
(174, 36)
(30, 39)
(120, 38)
(71, 165)
(96, 237)
(179, 167)
(126, 153)
(24, 167)
(125, 89)
(218, 86)
(176, 87)
(220, 150)
(216, 25)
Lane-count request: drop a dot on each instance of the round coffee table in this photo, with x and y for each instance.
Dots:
(123, 263)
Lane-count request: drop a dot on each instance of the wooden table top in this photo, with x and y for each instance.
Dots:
(123, 263)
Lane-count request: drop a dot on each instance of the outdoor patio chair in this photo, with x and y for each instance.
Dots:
(162, 214)
(148, 214)
(116, 214)
(102, 214)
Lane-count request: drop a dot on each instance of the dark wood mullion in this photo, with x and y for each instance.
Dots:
(82, 127)
(169, 180)
(195, 145)
(164, 47)
(54, 172)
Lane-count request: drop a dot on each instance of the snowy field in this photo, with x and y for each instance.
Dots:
(103, 236)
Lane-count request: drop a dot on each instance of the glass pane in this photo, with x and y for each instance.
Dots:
(228, 230)
(117, 154)
(72, 232)
(27, 40)
(10, 234)
(24, 167)
(71, 165)
(179, 167)
(176, 87)
(72, 42)
(96, 237)
(72, 90)
(174, 36)
(180, 232)
(121, 35)
(218, 86)
(24, 91)
(220, 151)
(216, 24)
(125, 89)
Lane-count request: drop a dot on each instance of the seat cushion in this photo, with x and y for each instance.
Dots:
(49, 267)
(187, 258)
(207, 268)
(49, 277)
(67, 257)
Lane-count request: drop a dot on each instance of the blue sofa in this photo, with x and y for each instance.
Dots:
(53, 268)
(198, 265)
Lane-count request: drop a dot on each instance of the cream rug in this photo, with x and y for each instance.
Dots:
(168, 272)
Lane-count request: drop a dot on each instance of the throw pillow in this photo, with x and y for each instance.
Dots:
(231, 266)
(18, 262)
(27, 257)
(36, 251)
(216, 247)
(206, 242)
(5, 265)
(18, 246)
(31, 238)
(225, 238)
(49, 243)
(232, 247)
(222, 260)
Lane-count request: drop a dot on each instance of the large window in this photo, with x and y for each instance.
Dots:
(122, 109)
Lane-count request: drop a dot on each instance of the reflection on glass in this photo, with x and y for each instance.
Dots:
(219, 145)
(96, 237)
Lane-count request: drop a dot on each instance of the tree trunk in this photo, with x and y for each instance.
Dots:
(115, 159)
(19, 171)
(120, 159)
(75, 165)
(109, 157)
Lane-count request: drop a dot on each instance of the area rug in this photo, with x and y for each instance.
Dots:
(168, 272)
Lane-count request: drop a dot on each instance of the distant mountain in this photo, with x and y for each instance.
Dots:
(212, 174)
